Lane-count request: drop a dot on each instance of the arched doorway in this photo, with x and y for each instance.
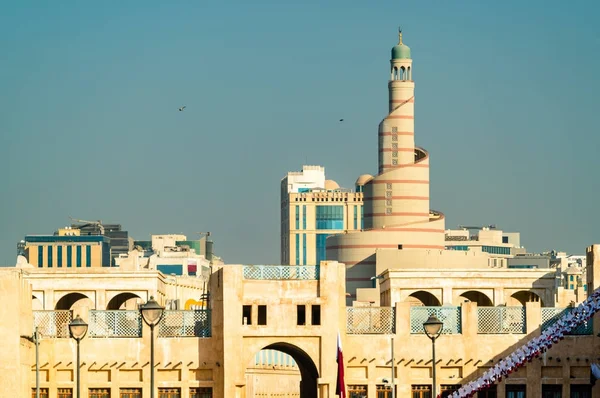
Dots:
(77, 302)
(423, 298)
(281, 370)
(524, 296)
(124, 301)
(477, 297)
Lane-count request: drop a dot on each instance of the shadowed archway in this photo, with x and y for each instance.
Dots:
(124, 301)
(524, 296)
(301, 362)
(481, 299)
(423, 298)
(74, 301)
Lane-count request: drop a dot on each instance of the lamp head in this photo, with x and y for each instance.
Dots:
(78, 328)
(433, 327)
(152, 312)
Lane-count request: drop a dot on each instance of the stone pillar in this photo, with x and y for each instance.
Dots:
(469, 320)
(533, 319)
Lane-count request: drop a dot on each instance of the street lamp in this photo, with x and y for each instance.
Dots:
(78, 328)
(433, 328)
(152, 313)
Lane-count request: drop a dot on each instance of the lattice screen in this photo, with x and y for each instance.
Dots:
(448, 314)
(370, 320)
(281, 272)
(499, 320)
(551, 315)
(185, 324)
(119, 323)
(53, 324)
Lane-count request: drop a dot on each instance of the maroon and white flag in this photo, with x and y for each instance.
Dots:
(340, 385)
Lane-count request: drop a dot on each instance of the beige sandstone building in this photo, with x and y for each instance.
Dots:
(271, 331)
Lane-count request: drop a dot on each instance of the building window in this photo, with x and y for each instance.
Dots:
(384, 391)
(330, 217)
(201, 392)
(88, 256)
(303, 216)
(362, 218)
(40, 256)
(247, 315)
(59, 256)
(69, 256)
(78, 253)
(421, 391)
(262, 315)
(43, 393)
(448, 389)
(394, 162)
(169, 392)
(571, 278)
(321, 247)
(66, 393)
(357, 391)
(297, 217)
(297, 249)
(491, 392)
(50, 256)
(300, 315)
(304, 249)
(581, 391)
(355, 217)
(99, 393)
(315, 315)
(130, 393)
(515, 390)
(505, 239)
(551, 390)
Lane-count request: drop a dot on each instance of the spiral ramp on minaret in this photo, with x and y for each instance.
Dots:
(396, 201)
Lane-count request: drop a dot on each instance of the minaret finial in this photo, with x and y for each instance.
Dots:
(399, 34)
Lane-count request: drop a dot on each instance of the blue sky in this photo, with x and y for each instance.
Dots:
(506, 104)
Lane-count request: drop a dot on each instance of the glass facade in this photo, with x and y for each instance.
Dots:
(59, 256)
(362, 217)
(69, 256)
(49, 256)
(303, 216)
(297, 217)
(321, 248)
(496, 249)
(304, 249)
(88, 256)
(297, 249)
(330, 217)
(40, 256)
(355, 217)
(78, 254)
(464, 248)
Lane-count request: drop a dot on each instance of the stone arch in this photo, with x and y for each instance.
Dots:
(304, 364)
(480, 298)
(124, 301)
(422, 297)
(78, 302)
(524, 296)
(36, 303)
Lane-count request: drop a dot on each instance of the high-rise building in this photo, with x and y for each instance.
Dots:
(312, 209)
(119, 240)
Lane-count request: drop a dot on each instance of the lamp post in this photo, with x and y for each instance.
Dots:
(433, 328)
(78, 328)
(152, 313)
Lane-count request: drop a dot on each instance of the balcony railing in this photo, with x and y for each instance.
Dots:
(52, 324)
(370, 320)
(118, 323)
(196, 323)
(281, 272)
(448, 314)
(551, 315)
(501, 320)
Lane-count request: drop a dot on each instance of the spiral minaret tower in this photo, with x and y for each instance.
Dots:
(396, 200)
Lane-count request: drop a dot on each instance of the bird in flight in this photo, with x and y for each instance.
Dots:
(341, 120)
(182, 108)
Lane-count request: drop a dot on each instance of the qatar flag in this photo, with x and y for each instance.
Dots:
(340, 385)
